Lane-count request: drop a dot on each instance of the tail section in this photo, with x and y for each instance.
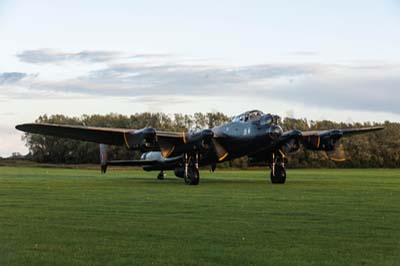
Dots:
(103, 158)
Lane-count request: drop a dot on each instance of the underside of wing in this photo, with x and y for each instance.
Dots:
(344, 131)
(204, 141)
(325, 140)
(147, 139)
(169, 141)
(356, 131)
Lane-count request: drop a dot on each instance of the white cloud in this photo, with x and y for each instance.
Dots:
(11, 77)
(42, 56)
(51, 56)
(348, 87)
(122, 83)
(362, 86)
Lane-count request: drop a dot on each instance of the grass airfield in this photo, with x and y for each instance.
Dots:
(127, 217)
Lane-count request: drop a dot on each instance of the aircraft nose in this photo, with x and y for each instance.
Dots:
(275, 132)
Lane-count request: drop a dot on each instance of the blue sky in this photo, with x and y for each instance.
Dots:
(317, 59)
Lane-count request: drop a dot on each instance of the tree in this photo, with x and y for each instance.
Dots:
(379, 149)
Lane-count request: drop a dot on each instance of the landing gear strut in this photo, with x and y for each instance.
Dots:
(161, 175)
(278, 172)
(192, 175)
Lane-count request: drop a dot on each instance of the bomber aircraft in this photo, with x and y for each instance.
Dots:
(252, 133)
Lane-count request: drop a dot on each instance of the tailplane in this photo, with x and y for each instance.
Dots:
(103, 158)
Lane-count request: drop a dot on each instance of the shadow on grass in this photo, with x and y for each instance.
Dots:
(208, 180)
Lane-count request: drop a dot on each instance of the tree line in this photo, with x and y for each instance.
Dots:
(377, 150)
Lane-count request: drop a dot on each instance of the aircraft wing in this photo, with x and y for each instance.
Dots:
(146, 138)
(112, 136)
(345, 131)
(324, 140)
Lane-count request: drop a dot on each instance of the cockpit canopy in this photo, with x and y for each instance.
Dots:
(256, 116)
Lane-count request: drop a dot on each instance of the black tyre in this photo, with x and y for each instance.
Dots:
(280, 175)
(193, 176)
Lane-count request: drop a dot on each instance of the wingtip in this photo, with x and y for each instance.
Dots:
(19, 127)
(378, 128)
(22, 127)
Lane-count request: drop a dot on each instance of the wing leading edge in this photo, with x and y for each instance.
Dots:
(146, 139)
(325, 140)
(111, 136)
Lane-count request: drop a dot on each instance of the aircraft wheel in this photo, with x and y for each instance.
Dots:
(160, 176)
(193, 176)
(280, 175)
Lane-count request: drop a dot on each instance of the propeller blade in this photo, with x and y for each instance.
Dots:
(338, 154)
(219, 150)
(213, 167)
(290, 146)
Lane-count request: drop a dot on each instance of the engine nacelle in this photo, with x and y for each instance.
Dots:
(291, 146)
(323, 142)
(290, 141)
(143, 139)
(197, 141)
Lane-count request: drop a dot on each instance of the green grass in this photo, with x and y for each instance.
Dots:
(79, 217)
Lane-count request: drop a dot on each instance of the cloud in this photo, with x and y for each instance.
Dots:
(46, 56)
(362, 86)
(154, 55)
(346, 93)
(11, 77)
(133, 80)
(155, 100)
(42, 56)
(7, 114)
(304, 53)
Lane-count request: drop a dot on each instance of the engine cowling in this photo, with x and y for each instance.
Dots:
(144, 139)
(290, 141)
(191, 141)
(322, 142)
(291, 146)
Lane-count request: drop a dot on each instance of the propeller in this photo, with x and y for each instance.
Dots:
(290, 146)
(328, 141)
(210, 143)
(219, 150)
(289, 142)
(337, 154)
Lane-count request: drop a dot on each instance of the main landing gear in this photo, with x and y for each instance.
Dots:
(191, 173)
(278, 172)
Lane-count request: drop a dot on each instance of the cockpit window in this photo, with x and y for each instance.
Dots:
(267, 120)
(254, 115)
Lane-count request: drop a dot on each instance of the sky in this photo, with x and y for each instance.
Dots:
(337, 60)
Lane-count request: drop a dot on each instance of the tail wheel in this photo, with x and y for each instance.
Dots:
(279, 175)
(161, 175)
(192, 177)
